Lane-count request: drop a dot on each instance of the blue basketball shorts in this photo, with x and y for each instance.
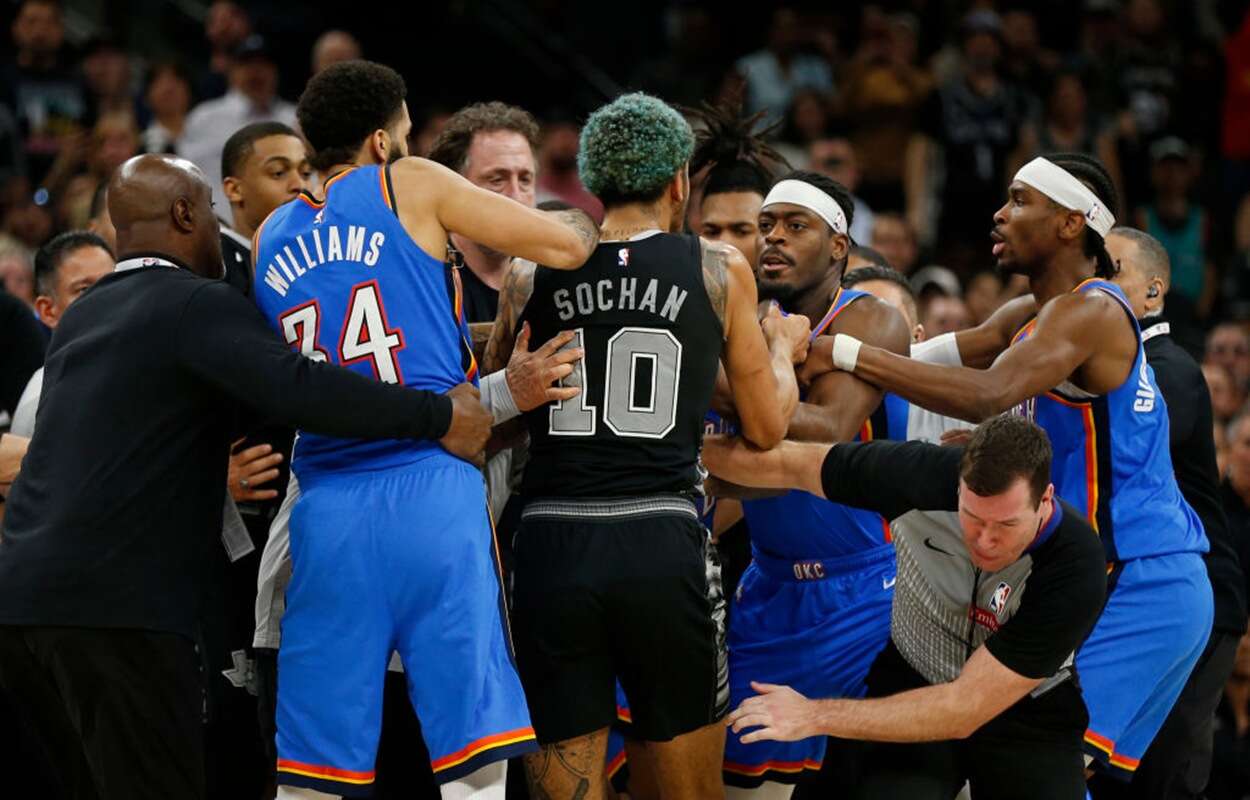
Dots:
(814, 625)
(399, 560)
(1136, 660)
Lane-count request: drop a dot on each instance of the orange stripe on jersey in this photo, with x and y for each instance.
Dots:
(865, 433)
(1025, 330)
(1124, 762)
(1084, 283)
(311, 201)
(326, 773)
(1101, 742)
(622, 713)
(833, 311)
(1091, 453)
(755, 770)
(885, 526)
(485, 743)
(386, 190)
(614, 766)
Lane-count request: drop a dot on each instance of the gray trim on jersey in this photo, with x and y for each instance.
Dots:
(609, 510)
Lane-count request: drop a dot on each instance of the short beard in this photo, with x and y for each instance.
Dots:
(781, 292)
(394, 153)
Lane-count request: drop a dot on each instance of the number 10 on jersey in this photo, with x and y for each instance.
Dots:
(642, 368)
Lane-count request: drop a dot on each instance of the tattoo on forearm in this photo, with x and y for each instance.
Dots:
(582, 225)
(517, 287)
(716, 277)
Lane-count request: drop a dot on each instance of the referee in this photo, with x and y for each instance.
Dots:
(114, 518)
(976, 683)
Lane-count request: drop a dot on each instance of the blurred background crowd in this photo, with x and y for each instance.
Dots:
(923, 108)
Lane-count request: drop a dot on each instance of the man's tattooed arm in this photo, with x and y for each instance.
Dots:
(582, 225)
(716, 277)
(517, 287)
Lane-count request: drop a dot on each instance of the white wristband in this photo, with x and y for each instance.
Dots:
(846, 352)
(497, 396)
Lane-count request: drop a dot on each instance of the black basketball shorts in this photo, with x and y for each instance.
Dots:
(622, 589)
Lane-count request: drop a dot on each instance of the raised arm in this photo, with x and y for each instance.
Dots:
(433, 201)
(760, 370)
(837, 402)
(1067, 333)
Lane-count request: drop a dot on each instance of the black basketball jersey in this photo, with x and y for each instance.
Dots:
(652, 343)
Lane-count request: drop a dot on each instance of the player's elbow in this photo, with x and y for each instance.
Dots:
(765, 433)
(570, 253)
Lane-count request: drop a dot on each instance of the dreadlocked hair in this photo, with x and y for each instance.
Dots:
(1090, 171)
(737, 156)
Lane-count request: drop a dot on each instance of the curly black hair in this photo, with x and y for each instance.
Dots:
(840, 194)
(1091, 172)
(344, 104)
(739, 156)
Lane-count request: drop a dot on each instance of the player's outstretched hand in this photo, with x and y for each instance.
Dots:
(778, 713)
(533, 378)
(470, 425)
(795, 329)
(250, 469)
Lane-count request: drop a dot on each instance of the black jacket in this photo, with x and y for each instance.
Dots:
(1193, 457)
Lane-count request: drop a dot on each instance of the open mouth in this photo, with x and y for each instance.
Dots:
(1000, 244)
(773, 262)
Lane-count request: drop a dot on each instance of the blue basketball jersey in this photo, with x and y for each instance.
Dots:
(800, 525)
(342, 281)
(1111, 456)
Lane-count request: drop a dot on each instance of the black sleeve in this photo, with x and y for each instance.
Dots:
(224, 339)
(22, 352)
(1063, 598)
(1181, 393)
(893, 478)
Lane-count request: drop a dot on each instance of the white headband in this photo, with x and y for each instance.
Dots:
(1062, 186)
(802, 193)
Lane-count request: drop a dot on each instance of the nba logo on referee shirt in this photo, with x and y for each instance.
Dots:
(622, 257)
(998, 601)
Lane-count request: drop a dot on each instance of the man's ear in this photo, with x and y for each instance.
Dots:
(1073, 225)
(380, 144)
(839, 247)
(183, 215)
(234, 192)
(46, 308)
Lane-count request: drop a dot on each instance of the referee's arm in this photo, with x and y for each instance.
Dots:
(890, 478)
(224, 340)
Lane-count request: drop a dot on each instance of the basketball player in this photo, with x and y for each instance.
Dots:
(813, 607)
(613, 577)
(358, 278)
(1078, 370)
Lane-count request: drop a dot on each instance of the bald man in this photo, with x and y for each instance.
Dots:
(1178, 763)
(113, 522)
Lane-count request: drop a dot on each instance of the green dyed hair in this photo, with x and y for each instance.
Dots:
(631, 149)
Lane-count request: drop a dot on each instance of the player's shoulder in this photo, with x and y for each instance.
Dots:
(872, 320)
(416, 168)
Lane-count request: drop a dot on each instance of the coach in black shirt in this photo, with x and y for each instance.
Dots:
(1178, 763)
(977, 682)
(113, 520)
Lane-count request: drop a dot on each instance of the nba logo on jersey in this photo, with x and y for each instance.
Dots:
(320, 218)
(622, 257)
(998, 602)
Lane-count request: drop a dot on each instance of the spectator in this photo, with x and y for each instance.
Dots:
(774, 74)
(984, 295)
(943, 313)
(1219, 431)
(694, 66)
(893, 235)
(106, 71)
(226, 26)
(65, 267)
(807, 119)
(557, 176)
(168, 97)
(835, 157)
(1028, 64)
(881, 97)
(1235, 131)
(1068, 125)
(17, 276)
(113, 139)
(26, 223)
(332, 47)
(253, 97)
(41, 86)
(1225, 397)
(493, 145)
(12, 157)
(1229, 347)
(101, 223)
(1180, 224)
(976, 121)
(426, 129)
